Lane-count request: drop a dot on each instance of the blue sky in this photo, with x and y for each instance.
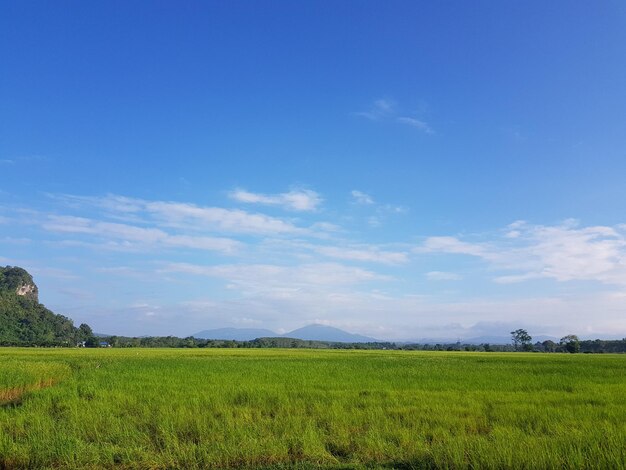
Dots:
(398, 169)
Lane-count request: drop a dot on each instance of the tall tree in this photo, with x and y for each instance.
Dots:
(521, 340)
(570, 343)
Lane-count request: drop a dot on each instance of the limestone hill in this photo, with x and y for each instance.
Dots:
(26, 322)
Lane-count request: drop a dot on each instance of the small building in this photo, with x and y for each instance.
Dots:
(104, 344)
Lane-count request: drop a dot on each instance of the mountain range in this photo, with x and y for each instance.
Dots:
(314, 332)
(317, 332)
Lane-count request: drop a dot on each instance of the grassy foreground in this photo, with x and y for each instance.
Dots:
(174, 408)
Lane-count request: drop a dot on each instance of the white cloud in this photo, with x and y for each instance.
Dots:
(71, 224)
(379, 212)
(416, 123)
(224, 245)
(296, 200)
(343, 250)
(21, 159)
(512, 229)
(184, 216)
(326, 227)
(281, 280)
(567, 253)
(365, 254)
(216, 218)
(187, 219)
(361, 198)
(373, 221)
(16, 241)
(443, 276)
(394, 209)
(452, 245)
(116, 203)
(384, 105)
(564, 252)
(381, 108)
(140, 236)
(386, 110)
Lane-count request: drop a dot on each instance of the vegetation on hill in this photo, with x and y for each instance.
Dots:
(26, 322)
(14, 279)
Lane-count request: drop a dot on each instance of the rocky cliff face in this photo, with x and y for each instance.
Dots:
(28, 290)
(19, 281)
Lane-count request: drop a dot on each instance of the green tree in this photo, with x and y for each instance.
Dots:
(571, 343)
(549, 346)
(521, 340)
(84, 332)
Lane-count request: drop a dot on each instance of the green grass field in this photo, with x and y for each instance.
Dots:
(208, 408)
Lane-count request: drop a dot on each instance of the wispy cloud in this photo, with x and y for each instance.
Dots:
(216, 218)
(295, 200)
(416, 123)
(453, 245)
(326, 227)
(278, 279)
(380, 109)
(369, 254)
(185, 216)
(361, 197)
(385, 109)
(22, 159)
(380, 211)
(443, 276)
(564, 252)
(138, 236)
(16, 241)
(337, 249)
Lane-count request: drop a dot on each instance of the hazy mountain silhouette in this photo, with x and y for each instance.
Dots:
(318, 332)
(314, 332)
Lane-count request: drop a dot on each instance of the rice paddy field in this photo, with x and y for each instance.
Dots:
(267, 408)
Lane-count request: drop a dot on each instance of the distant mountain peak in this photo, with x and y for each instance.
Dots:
(319, 332)
(312, 332)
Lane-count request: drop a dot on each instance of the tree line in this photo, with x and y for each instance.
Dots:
(566, 345)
